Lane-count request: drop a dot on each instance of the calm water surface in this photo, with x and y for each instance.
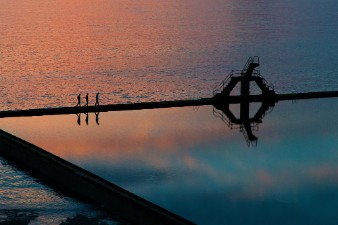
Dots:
(149, 50)
(188, 161)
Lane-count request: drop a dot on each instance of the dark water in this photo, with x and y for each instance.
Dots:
(25, 200)
(149, 50)
(190, 162)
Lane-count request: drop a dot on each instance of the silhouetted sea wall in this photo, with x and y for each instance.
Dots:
(166, 104)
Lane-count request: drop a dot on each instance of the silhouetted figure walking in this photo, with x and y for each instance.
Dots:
(97, 99)
(87, 99)
(79, 100)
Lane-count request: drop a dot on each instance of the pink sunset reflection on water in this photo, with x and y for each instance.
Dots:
(121, 135)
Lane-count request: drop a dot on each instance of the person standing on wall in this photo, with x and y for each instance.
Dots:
(79, 100)
(97, 99)
(87, 100)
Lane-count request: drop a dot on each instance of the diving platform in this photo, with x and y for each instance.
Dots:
(244, 77)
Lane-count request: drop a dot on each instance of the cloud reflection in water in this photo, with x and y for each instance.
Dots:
(189, 162)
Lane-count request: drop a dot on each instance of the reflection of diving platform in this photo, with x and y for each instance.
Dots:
(244, 122)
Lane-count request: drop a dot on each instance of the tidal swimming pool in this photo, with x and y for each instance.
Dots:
(190, 162)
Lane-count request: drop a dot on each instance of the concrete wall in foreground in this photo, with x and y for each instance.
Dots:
(80, 183)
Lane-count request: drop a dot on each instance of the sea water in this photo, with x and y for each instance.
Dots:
(135, 51)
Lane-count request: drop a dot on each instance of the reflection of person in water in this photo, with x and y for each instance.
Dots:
(79, 119)
(97, 99)
(97, 118)
(79, 100)
(87, 118)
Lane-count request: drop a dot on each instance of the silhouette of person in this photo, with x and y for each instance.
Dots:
(86, 99)
(87, 118)
(97, 99)
(79, 119)
(79, 100)
(97, 118)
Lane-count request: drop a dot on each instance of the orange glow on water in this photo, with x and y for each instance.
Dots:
(120, 134)
(128, 51)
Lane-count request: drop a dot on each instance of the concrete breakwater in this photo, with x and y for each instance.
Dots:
(167, 104)
(105, 108)
(77, 182)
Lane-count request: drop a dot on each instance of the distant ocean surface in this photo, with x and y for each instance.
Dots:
(151, 50)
